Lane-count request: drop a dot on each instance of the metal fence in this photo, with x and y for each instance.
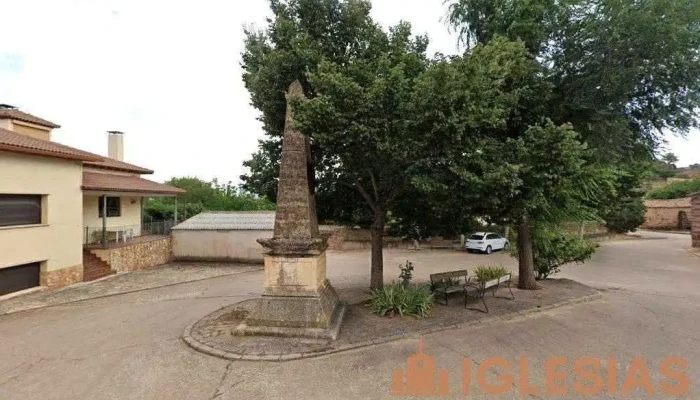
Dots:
(115, 234)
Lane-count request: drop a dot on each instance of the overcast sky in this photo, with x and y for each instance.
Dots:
(166, 73)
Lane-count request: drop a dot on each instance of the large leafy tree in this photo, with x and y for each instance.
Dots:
(494, 151)
(621, 72)
(358, 79)
(301, 34)
(360, 119)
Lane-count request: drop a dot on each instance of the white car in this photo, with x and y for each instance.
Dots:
(486, 242)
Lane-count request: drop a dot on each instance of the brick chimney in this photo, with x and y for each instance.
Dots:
(115, 145)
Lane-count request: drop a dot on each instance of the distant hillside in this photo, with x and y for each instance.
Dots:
(690, 172)
(675, 190)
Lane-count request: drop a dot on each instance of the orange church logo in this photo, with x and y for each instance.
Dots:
(591, 376)
(421, 378)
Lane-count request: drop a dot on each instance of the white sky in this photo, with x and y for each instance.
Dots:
(166, 73)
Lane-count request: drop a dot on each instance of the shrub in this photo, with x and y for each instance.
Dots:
(625, 217)
(443, 283)
(406, 273)
(675, 190)
(487, 273)
(551, 250)
(402, 300)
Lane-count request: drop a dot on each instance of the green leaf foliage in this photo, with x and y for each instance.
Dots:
(485, 273)
(202, 196)
(553, 113)
(398, 299)
(552, 249)
(621, 72)
(406, 273)
(625, 216)
(444, 283)
(676, 190)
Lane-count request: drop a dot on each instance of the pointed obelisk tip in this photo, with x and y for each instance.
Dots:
(295, 89)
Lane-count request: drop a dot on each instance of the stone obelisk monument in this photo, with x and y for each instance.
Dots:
(297, 299)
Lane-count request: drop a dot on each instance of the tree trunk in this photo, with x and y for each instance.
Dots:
(377, 268)
(526, 263)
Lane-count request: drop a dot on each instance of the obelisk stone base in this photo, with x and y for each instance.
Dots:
(298, 300)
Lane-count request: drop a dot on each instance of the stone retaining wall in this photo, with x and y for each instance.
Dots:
(663, 218)
(61, 277)
(361, 239)
(137, 256)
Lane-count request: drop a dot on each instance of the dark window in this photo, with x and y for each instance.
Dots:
(114, 208)
(492, 236)
(18, 278)
(476, 237)
(20, 209)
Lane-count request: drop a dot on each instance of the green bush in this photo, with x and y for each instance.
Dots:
(406, 273)
(675, 190)
(202, 195)
(487, 273)
(625, 216)
(551, 250)
(444, 283)
(402, 300)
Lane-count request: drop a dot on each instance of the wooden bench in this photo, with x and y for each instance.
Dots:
(481, 287)
(439, 286)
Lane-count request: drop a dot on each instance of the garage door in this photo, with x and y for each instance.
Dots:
(20, 277)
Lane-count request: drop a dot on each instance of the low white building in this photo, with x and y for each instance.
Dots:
(223, 236)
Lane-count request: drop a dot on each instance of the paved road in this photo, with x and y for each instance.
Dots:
(128, 346)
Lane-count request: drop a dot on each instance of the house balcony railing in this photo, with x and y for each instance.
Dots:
(95, 236)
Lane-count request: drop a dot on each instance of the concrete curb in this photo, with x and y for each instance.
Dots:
(206, 349)
(101, 296)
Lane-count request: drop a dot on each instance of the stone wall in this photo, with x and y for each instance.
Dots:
(61, 277)
(137, 256)
(663, 218)
(336, 237)
(340, 238)
(695, 221)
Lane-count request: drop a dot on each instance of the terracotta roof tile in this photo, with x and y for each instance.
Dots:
(13, 113)
(17, 143)
(125, 183)
(670, 203)
(110, 163)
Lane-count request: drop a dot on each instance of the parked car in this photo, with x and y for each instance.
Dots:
(486, 242)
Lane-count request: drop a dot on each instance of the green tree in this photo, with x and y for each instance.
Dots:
(621, 72)
(622, 209)
(669, 158)
(301, 34)
(359, 118)
(202, 195)
(359, 81)
(495, 152)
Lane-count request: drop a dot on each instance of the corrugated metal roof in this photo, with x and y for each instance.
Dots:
(230, 221)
